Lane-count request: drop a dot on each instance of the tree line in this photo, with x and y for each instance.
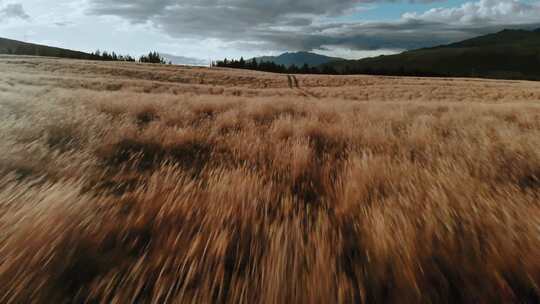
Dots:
(152, 57)
(37, 50)
(269, 66)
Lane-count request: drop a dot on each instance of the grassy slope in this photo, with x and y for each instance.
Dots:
(8, 46)
(135, 183)
(509, 54)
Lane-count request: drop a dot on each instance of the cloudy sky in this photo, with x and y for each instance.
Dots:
(211, 29)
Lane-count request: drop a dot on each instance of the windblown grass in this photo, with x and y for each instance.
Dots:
(265, 196)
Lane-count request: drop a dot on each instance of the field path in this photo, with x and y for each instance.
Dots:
(290, 81)
(293, 84)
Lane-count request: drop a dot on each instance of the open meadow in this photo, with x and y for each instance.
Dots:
(139, 183)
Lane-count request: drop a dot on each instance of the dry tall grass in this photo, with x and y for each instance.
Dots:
(189, 192)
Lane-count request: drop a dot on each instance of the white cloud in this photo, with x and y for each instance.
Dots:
(482, 12)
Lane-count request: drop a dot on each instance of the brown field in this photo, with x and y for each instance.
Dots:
(131, 183)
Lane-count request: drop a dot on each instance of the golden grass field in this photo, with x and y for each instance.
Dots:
(132, 183)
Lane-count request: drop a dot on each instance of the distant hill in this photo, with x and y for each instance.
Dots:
(509, 54)
(181, 60)
(8, 46)
(298, 59)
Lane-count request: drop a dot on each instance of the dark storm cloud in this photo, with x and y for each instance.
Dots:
(299, 25)
(260, 10)
(12, 10)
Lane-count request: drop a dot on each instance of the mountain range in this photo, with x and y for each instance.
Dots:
(298, 59)
(182, 60)
(508, 54)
